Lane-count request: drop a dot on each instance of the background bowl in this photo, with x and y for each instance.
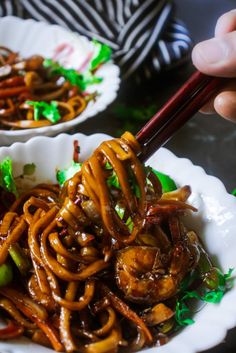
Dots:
(214, 222)
(29, 37)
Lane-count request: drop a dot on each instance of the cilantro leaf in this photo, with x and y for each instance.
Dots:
(221, 284)
(102, 55)
(47, 110)
(65, 174)
(6, 176)
(81, 80)
(182, 313)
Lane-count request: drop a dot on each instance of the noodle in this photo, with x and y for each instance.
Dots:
(100, 280)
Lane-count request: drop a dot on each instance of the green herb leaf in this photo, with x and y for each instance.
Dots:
(65, 174)
(47, 110)
(221, 286)
(29, 169)
(102, 55)
(81, 80)
(234, 192)
(182, 313)
(6, 176)
(167, 183)
(113, 181)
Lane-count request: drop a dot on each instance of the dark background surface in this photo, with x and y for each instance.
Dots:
(209, 141)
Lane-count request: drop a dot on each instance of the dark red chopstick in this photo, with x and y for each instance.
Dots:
(176, 112)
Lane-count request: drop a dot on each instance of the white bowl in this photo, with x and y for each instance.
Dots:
(214, 222)
(29, 37)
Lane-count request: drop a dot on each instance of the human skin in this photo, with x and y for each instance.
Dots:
(217, 57)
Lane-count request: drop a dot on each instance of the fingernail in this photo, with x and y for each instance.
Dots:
(212, 51)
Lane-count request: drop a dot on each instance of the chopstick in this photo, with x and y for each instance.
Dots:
(196, 91)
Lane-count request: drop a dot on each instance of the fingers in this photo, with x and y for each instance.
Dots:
(217, 56)
(226, 23)
(225, 105)
(208, 108)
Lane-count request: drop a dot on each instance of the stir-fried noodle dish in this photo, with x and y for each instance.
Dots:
(37, 92)
(101, 264)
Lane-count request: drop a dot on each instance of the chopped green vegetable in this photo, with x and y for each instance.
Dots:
(113, 180)
(234, 192)
(6, 176)
(120, 211)
(167, 183)
(82, 80)
(130, 224)
(65, 174)
(19, 258)
(102, 55)
(47, 110)
(220, 284)
(6, 274)
(29, 169)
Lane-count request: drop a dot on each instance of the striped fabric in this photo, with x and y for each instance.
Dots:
(143, 34)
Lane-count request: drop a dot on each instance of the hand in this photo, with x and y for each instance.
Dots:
(217, 57)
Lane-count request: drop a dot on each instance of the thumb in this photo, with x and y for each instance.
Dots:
(216, 56)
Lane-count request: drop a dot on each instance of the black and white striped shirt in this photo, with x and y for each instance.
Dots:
(143, 34)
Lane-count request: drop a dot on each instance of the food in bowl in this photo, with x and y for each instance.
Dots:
(37, 92)
(104, 263)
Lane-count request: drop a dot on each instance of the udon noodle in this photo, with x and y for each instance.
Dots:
(23, 81)
(99, 280)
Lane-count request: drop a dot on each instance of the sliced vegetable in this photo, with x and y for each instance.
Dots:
(19, 258)
(7, 181)
(47, 110)
(6, 274)
(65, 174)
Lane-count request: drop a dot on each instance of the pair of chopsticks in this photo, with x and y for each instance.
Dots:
(196, 91)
